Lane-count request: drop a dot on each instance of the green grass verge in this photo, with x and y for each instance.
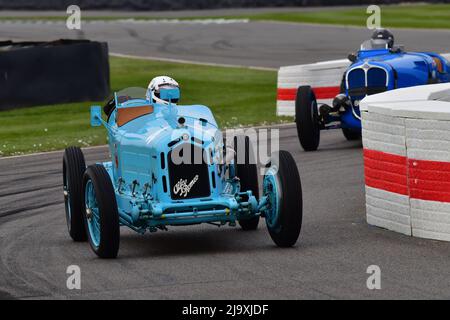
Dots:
(429, 16)
(237, 96)
(401, 16)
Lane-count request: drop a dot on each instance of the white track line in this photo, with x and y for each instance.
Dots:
(184, 21)
(44, 153)
(201, 21)
(211, 64)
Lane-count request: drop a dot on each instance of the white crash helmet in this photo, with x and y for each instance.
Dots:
(156, 84)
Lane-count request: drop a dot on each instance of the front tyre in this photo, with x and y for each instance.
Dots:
(100, 212)
(247, 171)
(73, 170)
(351, 135)
(307, 118)
(284, 208)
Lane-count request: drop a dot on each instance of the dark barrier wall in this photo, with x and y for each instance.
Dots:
(180, 4)
(52, 72)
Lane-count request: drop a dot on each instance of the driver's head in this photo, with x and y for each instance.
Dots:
(384, 34)
(158, 83)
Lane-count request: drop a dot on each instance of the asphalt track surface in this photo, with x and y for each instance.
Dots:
(262, 44)
(336, 245)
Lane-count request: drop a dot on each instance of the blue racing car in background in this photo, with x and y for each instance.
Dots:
(170, 166)
(379, 66)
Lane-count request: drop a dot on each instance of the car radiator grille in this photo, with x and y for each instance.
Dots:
(188, 179)
(365, 82)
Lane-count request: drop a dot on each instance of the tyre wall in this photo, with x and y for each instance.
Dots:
(41, 73)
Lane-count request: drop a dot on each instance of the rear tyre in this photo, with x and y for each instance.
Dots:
(307, 118)
(100, 213)
(351, 135)
(73, 170)
(283, 189)
(247, 171)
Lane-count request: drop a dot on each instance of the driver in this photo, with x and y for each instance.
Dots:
(158, 83)
(384, 34)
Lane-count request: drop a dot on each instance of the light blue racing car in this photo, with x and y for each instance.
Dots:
(157, 179)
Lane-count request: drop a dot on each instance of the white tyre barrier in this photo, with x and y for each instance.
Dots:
(406, 139)
(324, 77)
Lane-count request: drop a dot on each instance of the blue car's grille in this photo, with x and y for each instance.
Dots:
(188, 180)
(360, 85)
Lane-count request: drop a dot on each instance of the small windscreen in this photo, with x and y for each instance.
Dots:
(131, 93)
(373, 44)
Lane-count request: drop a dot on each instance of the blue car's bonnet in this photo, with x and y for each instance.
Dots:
(137, 143)
(407, 69)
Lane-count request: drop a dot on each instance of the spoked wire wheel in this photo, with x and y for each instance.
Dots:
(284, 200)
(271, 191)
(92, 214)
(100, 212)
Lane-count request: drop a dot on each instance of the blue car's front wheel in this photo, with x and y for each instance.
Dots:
(283, 191)
(73, 170)
(100, 213)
